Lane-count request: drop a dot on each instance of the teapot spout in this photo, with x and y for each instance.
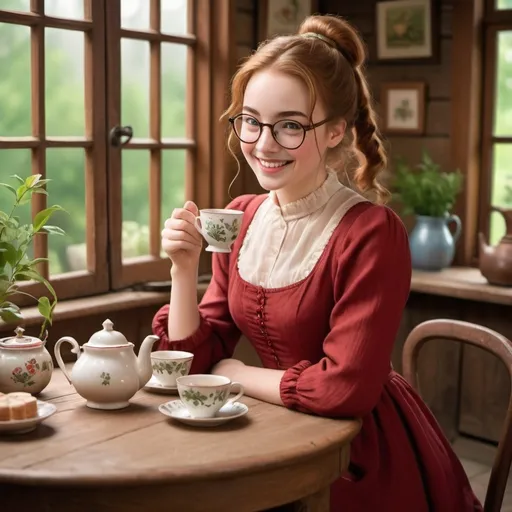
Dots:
(484, 247)
(144, 360)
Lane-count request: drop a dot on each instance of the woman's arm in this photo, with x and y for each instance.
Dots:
(260, 383)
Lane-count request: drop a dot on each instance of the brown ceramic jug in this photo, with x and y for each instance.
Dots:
(495, 262)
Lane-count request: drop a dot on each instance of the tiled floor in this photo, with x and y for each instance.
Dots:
(477, 460)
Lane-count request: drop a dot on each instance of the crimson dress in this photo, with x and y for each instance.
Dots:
(333, 334)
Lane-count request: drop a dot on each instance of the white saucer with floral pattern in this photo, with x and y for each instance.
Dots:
(175, 409)
(44, 410)
(155, 387)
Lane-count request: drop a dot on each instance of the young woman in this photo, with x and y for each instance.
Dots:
(319, 276)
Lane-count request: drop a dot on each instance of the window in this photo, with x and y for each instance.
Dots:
(496, 185)
(114, 101)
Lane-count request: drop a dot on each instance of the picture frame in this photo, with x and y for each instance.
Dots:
(407, 31)
(403, 108)
(283, 17)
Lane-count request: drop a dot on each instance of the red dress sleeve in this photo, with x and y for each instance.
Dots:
(372, 278)
(217, 335)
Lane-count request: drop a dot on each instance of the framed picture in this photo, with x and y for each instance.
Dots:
(283, 17)
(403, 108)
(405, 30)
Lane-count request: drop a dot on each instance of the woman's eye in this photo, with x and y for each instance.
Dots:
(251, 121)
(290, 125)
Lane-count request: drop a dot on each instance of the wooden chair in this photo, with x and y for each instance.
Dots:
(485, 339)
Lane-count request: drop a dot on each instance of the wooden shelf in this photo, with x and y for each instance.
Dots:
(462, 283)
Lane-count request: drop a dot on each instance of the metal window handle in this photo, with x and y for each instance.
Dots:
(120, 131)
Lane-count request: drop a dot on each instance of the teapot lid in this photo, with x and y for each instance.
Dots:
(107, 337)
(20, 341)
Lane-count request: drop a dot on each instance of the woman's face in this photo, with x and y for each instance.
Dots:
(273, 96)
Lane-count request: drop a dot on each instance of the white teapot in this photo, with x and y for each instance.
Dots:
(108, 373)
(25, 364)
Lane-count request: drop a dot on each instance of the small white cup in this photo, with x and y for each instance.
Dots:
(203, 395)
(168, 365)
(219, 227)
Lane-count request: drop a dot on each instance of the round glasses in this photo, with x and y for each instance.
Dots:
(287, 133)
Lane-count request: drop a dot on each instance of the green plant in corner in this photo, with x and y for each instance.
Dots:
(425, 189)
(15, 240)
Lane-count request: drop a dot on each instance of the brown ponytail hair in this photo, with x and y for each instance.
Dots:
(327, 54)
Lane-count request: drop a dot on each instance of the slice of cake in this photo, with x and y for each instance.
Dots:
(17, 406)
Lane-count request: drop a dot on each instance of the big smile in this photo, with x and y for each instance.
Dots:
(272, 165)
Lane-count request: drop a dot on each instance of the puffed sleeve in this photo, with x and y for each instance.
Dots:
(217, 334)
(372, 278)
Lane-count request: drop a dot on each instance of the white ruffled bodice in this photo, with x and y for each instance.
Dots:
(283, 244)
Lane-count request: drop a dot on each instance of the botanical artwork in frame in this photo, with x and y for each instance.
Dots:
(282, 17)
(403, 108)
(405, 30)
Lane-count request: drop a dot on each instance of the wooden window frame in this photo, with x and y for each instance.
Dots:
(95, 278)
(495, 21)
(208, 172)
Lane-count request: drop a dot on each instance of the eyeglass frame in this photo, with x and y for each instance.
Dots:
(305, 129)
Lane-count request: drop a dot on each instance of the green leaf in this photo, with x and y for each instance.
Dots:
(45, 308)
(44, 215)
(53, 230)
(8, 187)
(21, 180)
(10, 313)
(9, 253)
(32, 180)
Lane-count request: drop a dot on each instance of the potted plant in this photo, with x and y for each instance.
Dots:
(15, 240)
(429, 194)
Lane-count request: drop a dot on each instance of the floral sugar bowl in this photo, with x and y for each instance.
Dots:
(25, 364)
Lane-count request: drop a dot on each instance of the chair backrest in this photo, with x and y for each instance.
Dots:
(485, 339)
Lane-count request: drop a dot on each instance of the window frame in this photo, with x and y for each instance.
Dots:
(495, 21)
(207, 169)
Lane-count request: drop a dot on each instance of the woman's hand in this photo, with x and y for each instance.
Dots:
(180, 239)
(228, 368)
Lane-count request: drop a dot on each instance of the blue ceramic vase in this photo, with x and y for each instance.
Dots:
(432, 243)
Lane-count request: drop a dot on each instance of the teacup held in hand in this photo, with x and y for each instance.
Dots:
(203, 395)
(219, 228)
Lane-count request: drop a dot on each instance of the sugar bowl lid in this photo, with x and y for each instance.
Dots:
(107, 337)
(20, 340)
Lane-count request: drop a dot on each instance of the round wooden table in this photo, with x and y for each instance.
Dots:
(137, 459)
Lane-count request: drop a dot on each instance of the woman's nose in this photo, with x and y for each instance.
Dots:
(266, 140)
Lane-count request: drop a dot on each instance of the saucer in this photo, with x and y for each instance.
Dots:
(44, 410)
(175, 409)
(154, 386)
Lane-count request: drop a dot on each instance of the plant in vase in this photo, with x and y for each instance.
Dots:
(15, 241)
(25, 364)
(429, 194)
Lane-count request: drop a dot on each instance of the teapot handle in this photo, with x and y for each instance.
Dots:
(75, 350)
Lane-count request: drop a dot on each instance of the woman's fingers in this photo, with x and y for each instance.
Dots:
(178, 235)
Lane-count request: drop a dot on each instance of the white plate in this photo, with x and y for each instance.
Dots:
(155, 387)
(175, 409)
(44, 410)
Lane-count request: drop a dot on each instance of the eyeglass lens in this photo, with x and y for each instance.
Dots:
(287, 133)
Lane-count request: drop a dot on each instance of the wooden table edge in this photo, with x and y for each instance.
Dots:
(242, 467)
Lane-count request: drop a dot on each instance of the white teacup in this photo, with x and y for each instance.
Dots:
(168, 365)
(219, 228)
(203, 395)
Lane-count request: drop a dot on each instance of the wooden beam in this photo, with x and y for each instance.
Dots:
(466, 113)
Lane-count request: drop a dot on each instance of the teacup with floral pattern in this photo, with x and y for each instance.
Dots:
(168, 365)
(219, 228)
(203, 394)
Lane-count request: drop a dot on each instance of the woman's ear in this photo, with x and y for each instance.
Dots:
(336, 133)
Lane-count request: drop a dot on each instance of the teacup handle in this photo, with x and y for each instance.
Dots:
(198, 226)
(239, 395)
